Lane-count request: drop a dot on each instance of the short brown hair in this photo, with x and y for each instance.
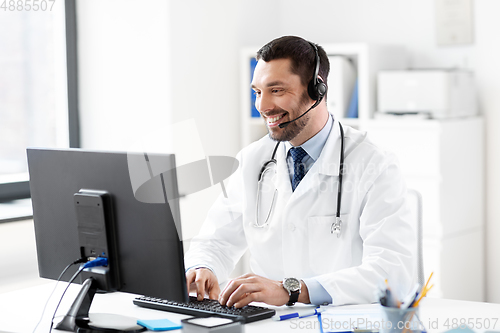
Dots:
(302, 55)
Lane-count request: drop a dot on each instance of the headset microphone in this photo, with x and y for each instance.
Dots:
(285, 124)
(316, 89)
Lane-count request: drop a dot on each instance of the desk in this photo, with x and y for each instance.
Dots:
(20, 311)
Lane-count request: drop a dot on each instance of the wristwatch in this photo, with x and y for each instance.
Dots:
(293, 286)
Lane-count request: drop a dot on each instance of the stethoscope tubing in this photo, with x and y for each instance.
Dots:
(341, 172)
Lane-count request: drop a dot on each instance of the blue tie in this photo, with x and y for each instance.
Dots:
(299, 169)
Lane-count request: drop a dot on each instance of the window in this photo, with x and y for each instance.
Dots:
(33, 86)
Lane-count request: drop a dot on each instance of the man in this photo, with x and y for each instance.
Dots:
(299, 251)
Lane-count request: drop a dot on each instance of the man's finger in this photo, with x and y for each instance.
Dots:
(249, 298)
(200, 286)
(230, 288)
(214, 291)
(240, 293)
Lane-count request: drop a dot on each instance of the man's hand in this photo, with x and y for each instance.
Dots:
(203, 281)
(253, 288)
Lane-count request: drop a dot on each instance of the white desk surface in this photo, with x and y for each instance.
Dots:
(20, 311)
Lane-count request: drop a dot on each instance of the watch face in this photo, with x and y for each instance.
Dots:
(291, 284)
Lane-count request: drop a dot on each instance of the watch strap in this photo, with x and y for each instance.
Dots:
(294, 297)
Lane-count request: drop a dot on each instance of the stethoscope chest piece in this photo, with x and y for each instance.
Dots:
(336, 227)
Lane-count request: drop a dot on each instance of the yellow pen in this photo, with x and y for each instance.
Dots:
(422, 296)
(423, 292)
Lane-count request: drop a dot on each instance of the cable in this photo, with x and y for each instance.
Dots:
(96, 262)
(55, 287)
(64, 292)
(100, 261)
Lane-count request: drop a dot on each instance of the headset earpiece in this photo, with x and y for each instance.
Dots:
(316, 88)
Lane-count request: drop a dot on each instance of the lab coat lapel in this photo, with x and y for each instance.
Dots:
(282, 179)
(329, 160)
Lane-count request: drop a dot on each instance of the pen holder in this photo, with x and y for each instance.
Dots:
(396, 320)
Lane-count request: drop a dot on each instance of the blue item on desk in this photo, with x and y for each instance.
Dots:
(300, 314)
(159, 325)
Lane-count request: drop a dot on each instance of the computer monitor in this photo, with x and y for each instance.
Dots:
(144, 247)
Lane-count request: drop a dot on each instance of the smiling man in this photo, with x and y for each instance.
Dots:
(320, 208)
(281, 97)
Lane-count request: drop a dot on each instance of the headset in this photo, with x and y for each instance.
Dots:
(316, 88)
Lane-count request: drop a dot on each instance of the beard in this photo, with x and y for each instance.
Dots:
(293, 129)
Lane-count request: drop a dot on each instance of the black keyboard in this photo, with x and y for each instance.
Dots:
(206, 308)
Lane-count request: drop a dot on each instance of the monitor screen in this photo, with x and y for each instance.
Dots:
(149, 250)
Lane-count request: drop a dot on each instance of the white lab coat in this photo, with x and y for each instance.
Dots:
(377, 240)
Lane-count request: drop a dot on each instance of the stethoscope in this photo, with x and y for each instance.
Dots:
(271, 164)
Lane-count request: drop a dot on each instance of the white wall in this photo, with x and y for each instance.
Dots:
(206, 37)
(143, 62)
(124, 78)
(205, 45)
(487, 53)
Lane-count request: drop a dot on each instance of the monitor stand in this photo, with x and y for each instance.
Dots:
(78, 317)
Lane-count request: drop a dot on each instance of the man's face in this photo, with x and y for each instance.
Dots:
(280, 97)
